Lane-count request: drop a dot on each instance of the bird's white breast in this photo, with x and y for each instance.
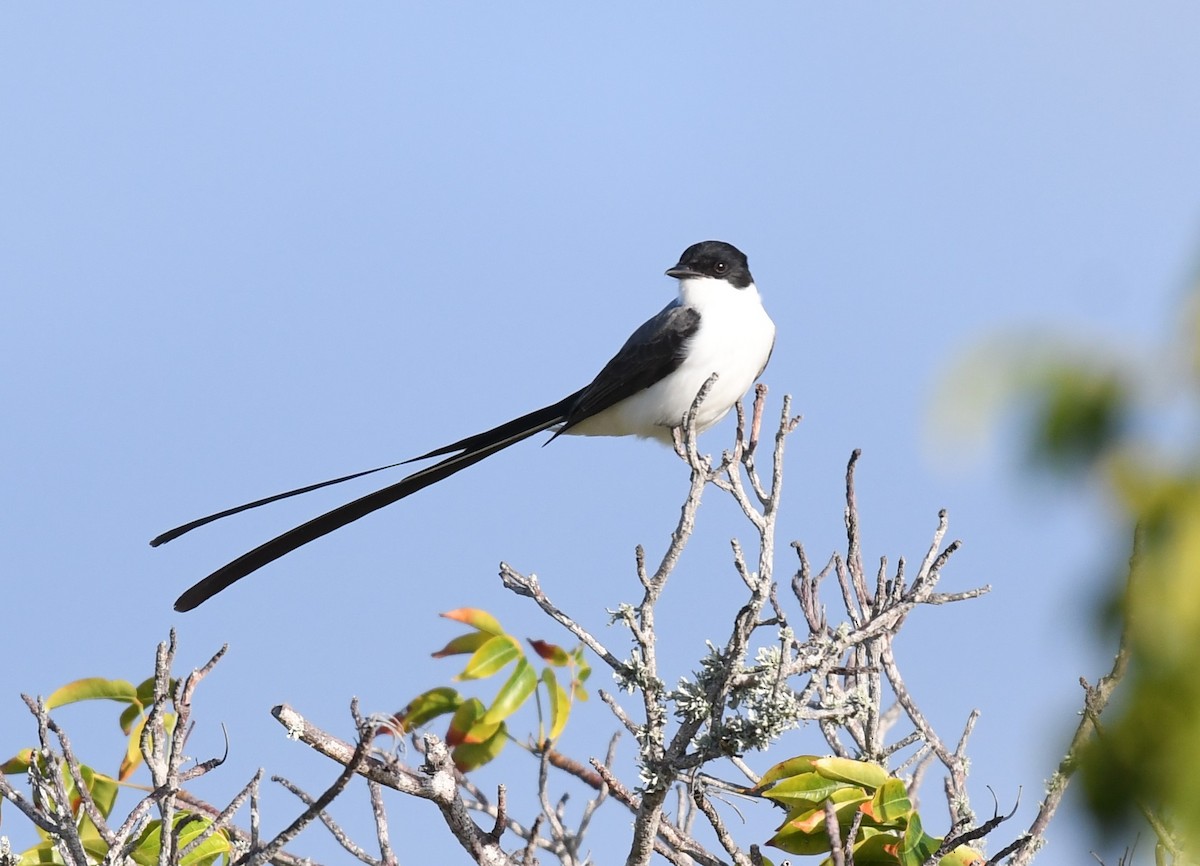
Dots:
(734, 341)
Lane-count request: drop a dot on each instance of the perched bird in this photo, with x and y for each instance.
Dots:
(716, 325)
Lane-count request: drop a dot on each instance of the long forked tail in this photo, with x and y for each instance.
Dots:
(172, 534)
(472, 450)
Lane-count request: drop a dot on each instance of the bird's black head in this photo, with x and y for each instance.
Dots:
(715, 259)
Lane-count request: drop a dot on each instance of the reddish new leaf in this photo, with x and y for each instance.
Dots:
(551, 653)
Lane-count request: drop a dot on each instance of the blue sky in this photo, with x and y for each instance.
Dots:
(246, 248)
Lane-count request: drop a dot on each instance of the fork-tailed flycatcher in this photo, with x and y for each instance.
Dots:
(716, 325)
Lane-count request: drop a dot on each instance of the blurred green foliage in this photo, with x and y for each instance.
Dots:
(1131, 428)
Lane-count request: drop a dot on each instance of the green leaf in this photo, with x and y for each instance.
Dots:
(216, 847)
(582, 671)
(104, 792)
(811, 818)
(806, 788)
(581, 662)
(560, 704)
(92, 689)
(1081, 412)
(145, 690)
(468, 756)
(133, 748)
(427, 706)
(18, 763)
(102, 787)
(479, 619)
(480, 732)
(878, 849)
(863, 773)
(464, 643)
(796, 841)
(42, 853)
(963, 856)
(188, 825)
(791, 767)
(803, 832)
(513, 693)
(918, 846)
(129, 716)
(89, 837)
(497, 652)
(133, 751)
(465, 718)
(890, 805)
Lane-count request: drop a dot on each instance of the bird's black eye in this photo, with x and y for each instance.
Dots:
(720, 267)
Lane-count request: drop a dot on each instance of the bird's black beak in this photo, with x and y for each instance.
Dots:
(681, 270)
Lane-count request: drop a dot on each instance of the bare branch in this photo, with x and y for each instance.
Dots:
(727, 841)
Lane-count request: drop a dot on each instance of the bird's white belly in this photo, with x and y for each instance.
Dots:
(734, 341)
